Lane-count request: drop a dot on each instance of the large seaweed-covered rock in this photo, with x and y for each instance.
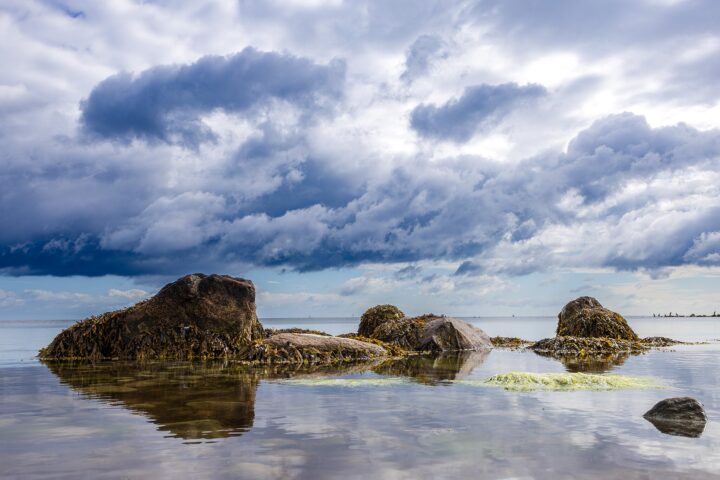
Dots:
(432, 333)
(683, 416)
(197, 316)
(585, 317)
(312, 348)
(377, 315)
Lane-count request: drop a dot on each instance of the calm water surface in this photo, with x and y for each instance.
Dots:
(405, 419)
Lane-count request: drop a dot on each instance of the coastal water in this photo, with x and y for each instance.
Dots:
(418, 418)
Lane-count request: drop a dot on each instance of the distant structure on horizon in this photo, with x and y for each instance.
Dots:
(666, 315)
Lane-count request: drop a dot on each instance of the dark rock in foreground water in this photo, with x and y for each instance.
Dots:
(197, 316)
(682, 416)
(585, 317)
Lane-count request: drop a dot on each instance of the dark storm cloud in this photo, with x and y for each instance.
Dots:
(453, 210)
(480, 107)
(164, 103)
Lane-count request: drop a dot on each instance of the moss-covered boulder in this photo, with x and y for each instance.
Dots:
(377, 315)
(197, 316)
(585, 317)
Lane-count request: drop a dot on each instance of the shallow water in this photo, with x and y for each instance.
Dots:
(417, 418)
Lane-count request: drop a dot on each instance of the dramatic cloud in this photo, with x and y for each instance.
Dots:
(479, 108)
(165, 103)
(484, 136)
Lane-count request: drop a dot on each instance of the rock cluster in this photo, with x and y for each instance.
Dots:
(428, 333)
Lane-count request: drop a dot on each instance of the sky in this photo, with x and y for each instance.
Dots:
(488, 157)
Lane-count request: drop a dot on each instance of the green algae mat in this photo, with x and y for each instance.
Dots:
(512, 381)
(527, 382)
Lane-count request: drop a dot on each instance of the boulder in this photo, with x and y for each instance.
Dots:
(197, 316)
(683, 416)
(377, 315)
(585, 317)
(432, 333)
(450, 334)
(312, 348)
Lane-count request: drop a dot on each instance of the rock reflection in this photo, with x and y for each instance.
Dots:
(589, 363)
(189, 401)
(678, 428)
(213, 400)
(433, 370)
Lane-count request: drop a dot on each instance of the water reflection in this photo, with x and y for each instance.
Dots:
(678, 428)
(589, 363)
(433, 370)
(202, 401)
(212, 400)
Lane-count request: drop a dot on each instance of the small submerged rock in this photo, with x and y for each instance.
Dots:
(681, 416)
(512, 343)
(586, 346)
(660, 342)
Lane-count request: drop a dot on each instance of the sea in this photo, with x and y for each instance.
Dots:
(425, 417)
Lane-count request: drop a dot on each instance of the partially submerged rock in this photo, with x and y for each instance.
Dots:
(585, 317)
(660, 342)
(197, 316)
(377, 315)
(682, 416)
(269, 332)
(512, 343)
(312, 348)
(432, 333)
(580, 346)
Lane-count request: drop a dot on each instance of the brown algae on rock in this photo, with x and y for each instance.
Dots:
(586, 317)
